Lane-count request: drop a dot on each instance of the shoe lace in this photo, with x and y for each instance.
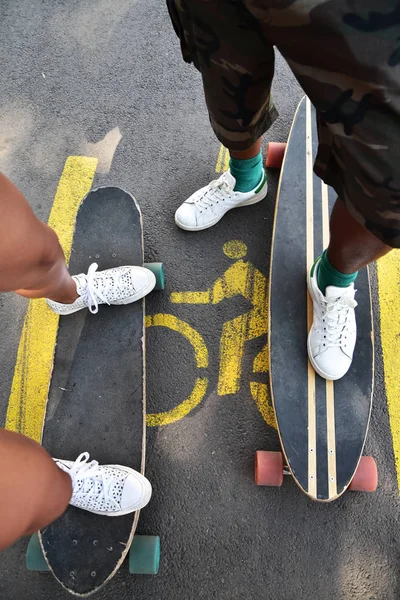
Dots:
(335, 319)
(215, 192)
(94, 484)
(105, 281)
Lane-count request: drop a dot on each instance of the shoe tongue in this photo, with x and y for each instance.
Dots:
(333, 293)
(80, 281)
(63, 467)
(229, 178)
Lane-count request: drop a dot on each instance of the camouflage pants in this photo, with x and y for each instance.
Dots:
(346, 56)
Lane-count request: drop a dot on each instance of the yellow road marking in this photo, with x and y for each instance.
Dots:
(226, 161)
(222, 160)
(183, 409)
(241, 279)
(259, 391)
(201, 357)
(34, 365)
(235, 249)
(312, 433)
(389, 302)
(190, 297)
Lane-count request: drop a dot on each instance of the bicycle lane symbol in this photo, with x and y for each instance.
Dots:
(242, 278)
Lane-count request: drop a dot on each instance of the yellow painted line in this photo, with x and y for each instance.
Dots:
(218, 166)
(201, 358)
(244, 279)
(222, 160)
(175, 324)
(231, 355)
(259, 391)
(329, 386)
(183, 409)
(312, 431)
(389, 303)
(261, 361)
(34, 365)
(190, 297)
(240, 279)
(226, 161)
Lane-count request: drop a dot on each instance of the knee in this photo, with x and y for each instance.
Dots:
(36, 491)
(29, 257)
(51, 491)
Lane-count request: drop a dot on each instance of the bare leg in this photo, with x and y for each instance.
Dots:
(33, 490)
(249, 153)
(351, 246)
(32, 262)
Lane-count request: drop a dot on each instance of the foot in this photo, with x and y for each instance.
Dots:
(208, 205)
(110, 490)
(121, 285)
(333, 334)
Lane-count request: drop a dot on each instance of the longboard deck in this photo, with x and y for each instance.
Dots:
(322, 425)
(97, 393)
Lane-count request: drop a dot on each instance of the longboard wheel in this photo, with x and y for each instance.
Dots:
(158, 269)
(35, 560)
(268, 468)
(366, 477)
(275, 154)
(144, 555)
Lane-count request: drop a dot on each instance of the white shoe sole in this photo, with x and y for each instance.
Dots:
(314, 365)
(257, 198)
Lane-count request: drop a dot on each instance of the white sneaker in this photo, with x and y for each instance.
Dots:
(333, 334)
(208, 205)
(110, 490)
(121, 285)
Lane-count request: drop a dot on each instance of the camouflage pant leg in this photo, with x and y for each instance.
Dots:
(346, 56)
(236, 61)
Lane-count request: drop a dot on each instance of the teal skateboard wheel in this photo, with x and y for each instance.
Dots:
(158, 269)
(144, 555)
(35, 560)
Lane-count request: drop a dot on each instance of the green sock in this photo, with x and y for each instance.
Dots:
(248, 172)
(328, 275)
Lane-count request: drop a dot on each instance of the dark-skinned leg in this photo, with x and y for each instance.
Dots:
(249, 153)
(351, 246)
(332, 337)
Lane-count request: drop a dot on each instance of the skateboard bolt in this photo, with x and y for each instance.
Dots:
(93, 573)
(95, 542)
(74, 542)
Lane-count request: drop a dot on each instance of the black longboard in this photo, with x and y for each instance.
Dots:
(97, 394)
(322, 425)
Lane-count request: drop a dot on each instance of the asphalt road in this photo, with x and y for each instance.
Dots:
(71, 73)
